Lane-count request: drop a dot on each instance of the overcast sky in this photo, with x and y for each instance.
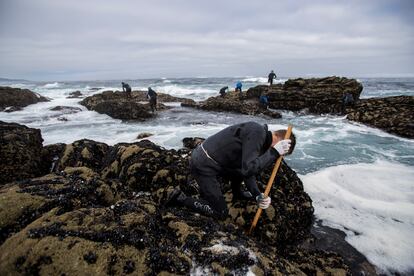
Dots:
(98, 39)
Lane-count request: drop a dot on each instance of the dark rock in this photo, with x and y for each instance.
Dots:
(66, 109)
(75, 94)
(119, 106)
(393, 114)
(317, 95)
(90, 257)
(104, 206)
(82, 153)
(161, 97)
(232, 102)
(20, 151)
(192, 142)
(16, 98)
(50, 157)
(333, 240)
(144, 135)
(12, 109)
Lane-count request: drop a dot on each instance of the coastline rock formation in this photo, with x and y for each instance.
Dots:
(75, 94)
(316, 95)
(232, 102)
(20, 152)
(119, 106)
(100, 211)
(13, 99)
(392, 114)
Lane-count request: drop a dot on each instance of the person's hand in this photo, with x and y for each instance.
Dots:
(283, 146)
(263, 201)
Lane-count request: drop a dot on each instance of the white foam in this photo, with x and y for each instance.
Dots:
(255, 79)
(373, 204)
(51, 85)
(183, 91)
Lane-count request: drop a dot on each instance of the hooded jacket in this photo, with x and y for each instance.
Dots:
(244, 149)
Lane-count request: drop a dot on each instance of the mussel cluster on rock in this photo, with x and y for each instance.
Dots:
(89, 208)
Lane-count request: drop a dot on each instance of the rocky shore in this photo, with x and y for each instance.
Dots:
(90, 208)
(392, 114)
(233, 102)
(13, 99)
(119, 106)
(316, 95)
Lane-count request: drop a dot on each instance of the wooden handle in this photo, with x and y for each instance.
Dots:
(270, 182)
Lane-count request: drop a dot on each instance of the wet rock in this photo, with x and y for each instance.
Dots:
(119, 106)
(83, 153)
(102, 212)
(16, 98)
(22, 203)
(144, 135)
(12, 109)
(232, 102)
(75, 94)
(392, 114)
(161, 97)
(316, 95)
(66, 109)
(50, 157)
(192, 142)
(20, 151)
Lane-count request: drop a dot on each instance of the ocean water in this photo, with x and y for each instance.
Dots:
(361, 179)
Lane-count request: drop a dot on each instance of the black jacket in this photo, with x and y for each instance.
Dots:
(243, 149)
(271, 76)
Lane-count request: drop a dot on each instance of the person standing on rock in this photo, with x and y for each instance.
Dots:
(223, 91)
(239, 88)
(127, 89)
(238, 152)
(270, 77)
(152, 97)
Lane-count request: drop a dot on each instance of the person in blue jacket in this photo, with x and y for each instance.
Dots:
(238, 152)
(239, 86)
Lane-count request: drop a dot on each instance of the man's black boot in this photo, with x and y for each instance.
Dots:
(175, 197)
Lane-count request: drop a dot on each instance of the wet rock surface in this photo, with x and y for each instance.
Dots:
(119, 106)
(75, 94)
(20, 152)
(13, 99)
(392, 114)
(317, 95)
(66, 109)
(233, 102)
(101, 211)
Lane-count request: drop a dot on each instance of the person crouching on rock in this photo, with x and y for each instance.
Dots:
(223, 91)
(152, 97)
(127, 89)
(239, 88)
(238, 152)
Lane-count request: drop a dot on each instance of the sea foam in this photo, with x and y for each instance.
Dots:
(374, 205)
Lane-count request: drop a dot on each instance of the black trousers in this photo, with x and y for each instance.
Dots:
(205, 171)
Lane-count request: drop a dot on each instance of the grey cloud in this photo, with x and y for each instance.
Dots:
(94, 39)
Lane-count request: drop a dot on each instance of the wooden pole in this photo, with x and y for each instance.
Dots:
(270, 183)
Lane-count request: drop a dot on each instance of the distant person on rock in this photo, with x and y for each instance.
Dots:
(238, 152)
(239, 86)
(270, 78)
(223, 91)
(347, 100)
(152, 97)
(127, 89)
